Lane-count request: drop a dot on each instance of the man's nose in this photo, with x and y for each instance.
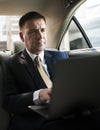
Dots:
(39, 35)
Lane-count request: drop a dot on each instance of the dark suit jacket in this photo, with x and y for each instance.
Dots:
(22, 79)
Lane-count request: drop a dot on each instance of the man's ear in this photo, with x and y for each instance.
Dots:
(21, 36)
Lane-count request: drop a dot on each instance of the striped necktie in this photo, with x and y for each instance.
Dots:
(43, 74)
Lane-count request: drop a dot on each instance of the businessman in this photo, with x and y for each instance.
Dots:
(24, 85)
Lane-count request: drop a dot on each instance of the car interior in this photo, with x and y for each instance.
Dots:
(59, 14)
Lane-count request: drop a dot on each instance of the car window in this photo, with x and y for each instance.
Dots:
(89, 17)
(74, 39)
(8, 31)
(85, 33)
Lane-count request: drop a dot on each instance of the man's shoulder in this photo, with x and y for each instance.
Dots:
(14, 57)
(57, 53)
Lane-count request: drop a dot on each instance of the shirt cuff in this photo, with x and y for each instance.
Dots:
(36, 99)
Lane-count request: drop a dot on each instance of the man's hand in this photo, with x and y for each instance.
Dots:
(44, 94)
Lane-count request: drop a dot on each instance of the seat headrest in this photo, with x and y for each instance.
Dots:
(18, 46)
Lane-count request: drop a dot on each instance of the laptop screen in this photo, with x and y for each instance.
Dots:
(76, 85)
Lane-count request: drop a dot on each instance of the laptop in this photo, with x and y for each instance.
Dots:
(76, 86)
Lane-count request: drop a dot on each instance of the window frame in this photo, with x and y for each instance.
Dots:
(80, 28)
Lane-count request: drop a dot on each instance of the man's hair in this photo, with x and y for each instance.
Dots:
(29, 16)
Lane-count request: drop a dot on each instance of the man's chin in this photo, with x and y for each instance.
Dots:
(41, 47)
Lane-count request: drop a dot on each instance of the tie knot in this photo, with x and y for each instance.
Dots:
(37, 60)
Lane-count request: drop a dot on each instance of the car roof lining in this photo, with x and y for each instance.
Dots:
(55, 11)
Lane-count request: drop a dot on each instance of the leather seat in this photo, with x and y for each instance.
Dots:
(4, 116)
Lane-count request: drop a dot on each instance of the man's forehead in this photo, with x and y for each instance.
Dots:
(39, 22)
(36, 23)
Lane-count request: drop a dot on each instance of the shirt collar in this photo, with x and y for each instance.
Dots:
(41, 55)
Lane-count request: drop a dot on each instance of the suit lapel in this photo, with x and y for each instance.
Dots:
(31, 69)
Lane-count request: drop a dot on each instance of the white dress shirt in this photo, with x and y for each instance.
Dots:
(36, 99)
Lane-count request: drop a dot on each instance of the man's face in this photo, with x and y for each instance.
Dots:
(33, 35)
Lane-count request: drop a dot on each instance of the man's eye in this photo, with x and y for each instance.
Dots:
(33, 31)
(42, 30)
